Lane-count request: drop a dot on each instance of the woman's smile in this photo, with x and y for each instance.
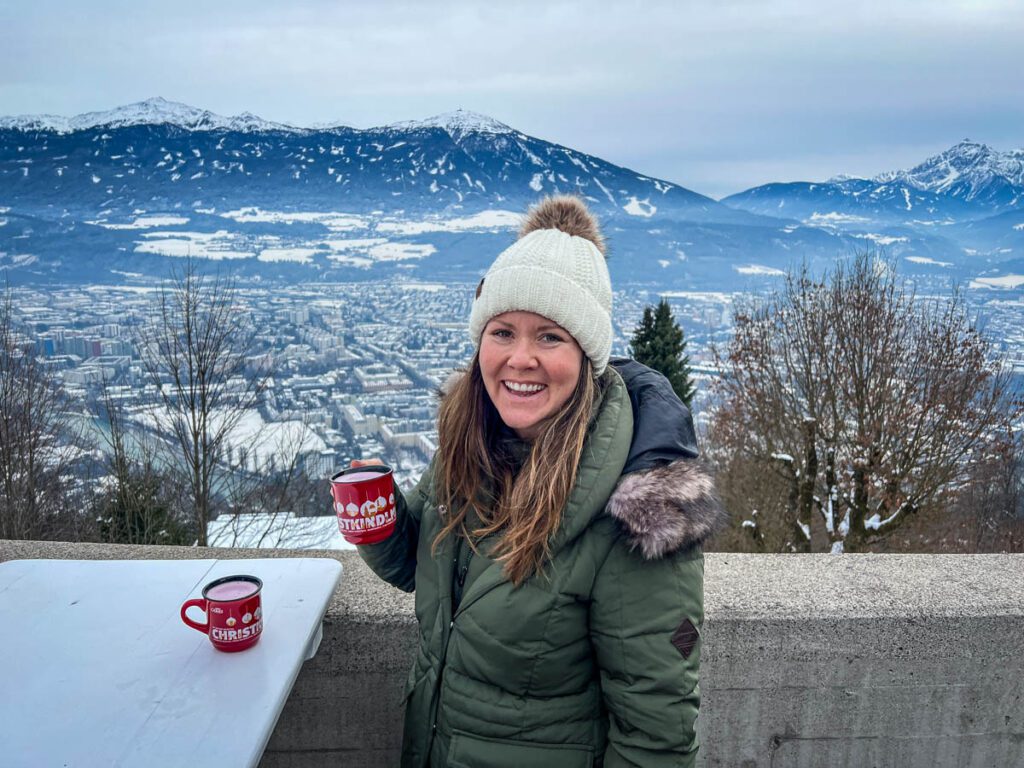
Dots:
(524, 389)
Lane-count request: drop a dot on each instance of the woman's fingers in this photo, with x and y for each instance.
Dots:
(365, 462)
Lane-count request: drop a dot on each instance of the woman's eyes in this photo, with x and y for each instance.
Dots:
(546, 338)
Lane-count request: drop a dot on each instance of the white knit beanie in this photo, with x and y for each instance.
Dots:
(555, 269)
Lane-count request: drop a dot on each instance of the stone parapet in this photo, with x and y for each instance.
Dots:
(808, 660)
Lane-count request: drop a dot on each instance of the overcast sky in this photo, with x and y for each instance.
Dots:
(717, 95)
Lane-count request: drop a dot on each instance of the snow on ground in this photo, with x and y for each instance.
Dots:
(697, 295)
(354, 244)
(932, 222)
(261, 440)
(640, 207)
(354, 252)
(144, 222)
(400, 251)
(264, 440)
(882, 239)
(429, 287)
(203, 245)
(299, 255)
(485, 220)
(360, 262)
(1003, 282)
(334, 221)
(18, 259)
(282, 531)
(758, 269)
(143, 289)
(833, 219)
(926, 260)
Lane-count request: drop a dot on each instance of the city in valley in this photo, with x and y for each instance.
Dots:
(354, 370)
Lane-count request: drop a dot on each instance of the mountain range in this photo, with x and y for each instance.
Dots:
(103, 194)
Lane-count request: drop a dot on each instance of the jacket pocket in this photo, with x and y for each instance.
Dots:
(469, 751)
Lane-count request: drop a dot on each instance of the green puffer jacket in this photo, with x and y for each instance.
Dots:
(592, 663)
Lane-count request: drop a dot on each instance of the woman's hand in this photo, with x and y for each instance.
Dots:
(366, 462)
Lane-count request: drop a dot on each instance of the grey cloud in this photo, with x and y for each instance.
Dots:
(713, 95)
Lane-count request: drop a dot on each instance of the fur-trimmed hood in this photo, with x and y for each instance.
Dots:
(666, 499)
(667, 508)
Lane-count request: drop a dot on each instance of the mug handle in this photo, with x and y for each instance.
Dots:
(201, 602)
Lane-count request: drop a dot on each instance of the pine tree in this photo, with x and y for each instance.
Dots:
(658, 342)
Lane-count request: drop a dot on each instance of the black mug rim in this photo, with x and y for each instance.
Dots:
(383, 469)
(238, 577)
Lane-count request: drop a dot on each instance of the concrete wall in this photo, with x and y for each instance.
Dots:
(809, 660)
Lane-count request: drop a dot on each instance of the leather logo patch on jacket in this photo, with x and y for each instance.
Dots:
(685, 638)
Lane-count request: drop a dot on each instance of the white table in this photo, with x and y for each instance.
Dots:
(97, 668)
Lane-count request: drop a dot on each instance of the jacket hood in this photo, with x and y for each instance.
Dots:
(667, 508)
(666, 499)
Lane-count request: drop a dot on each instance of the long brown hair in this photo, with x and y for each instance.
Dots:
(476, 470)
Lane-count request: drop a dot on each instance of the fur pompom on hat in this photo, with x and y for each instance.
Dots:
(555, 269)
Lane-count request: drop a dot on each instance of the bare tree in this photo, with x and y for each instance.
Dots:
(864, 402)
(195, 352)
(991, 509)
(276, 504)
(38, 443)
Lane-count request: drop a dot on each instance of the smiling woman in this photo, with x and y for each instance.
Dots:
(555, 541)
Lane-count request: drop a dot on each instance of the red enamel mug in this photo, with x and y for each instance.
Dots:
(364, 500)
(234, 614)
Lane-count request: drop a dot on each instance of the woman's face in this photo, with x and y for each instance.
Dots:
(530, 367)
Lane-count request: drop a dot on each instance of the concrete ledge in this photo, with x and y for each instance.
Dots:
(809, 660)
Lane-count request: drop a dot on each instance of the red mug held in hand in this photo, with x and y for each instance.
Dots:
(364, 500)
(234, 614)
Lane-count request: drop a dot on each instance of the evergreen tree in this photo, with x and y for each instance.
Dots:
(135, 510)
(658, 343)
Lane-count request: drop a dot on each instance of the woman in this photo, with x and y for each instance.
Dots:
(554, 541)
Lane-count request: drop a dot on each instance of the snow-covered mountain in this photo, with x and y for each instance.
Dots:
(100, 194)
(969, 171)
(155, 111)
(159, 153)
(968, 181)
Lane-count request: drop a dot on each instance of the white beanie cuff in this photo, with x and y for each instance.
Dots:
(549, 293)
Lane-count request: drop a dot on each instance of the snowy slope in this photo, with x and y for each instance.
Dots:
(968, 181)
(157, 153)
(155, 111)
(131, 189)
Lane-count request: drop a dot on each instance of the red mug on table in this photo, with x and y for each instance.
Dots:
(364, 500)
(234, 615)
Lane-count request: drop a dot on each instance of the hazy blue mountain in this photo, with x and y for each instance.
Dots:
(967, 181)
(131, 190)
